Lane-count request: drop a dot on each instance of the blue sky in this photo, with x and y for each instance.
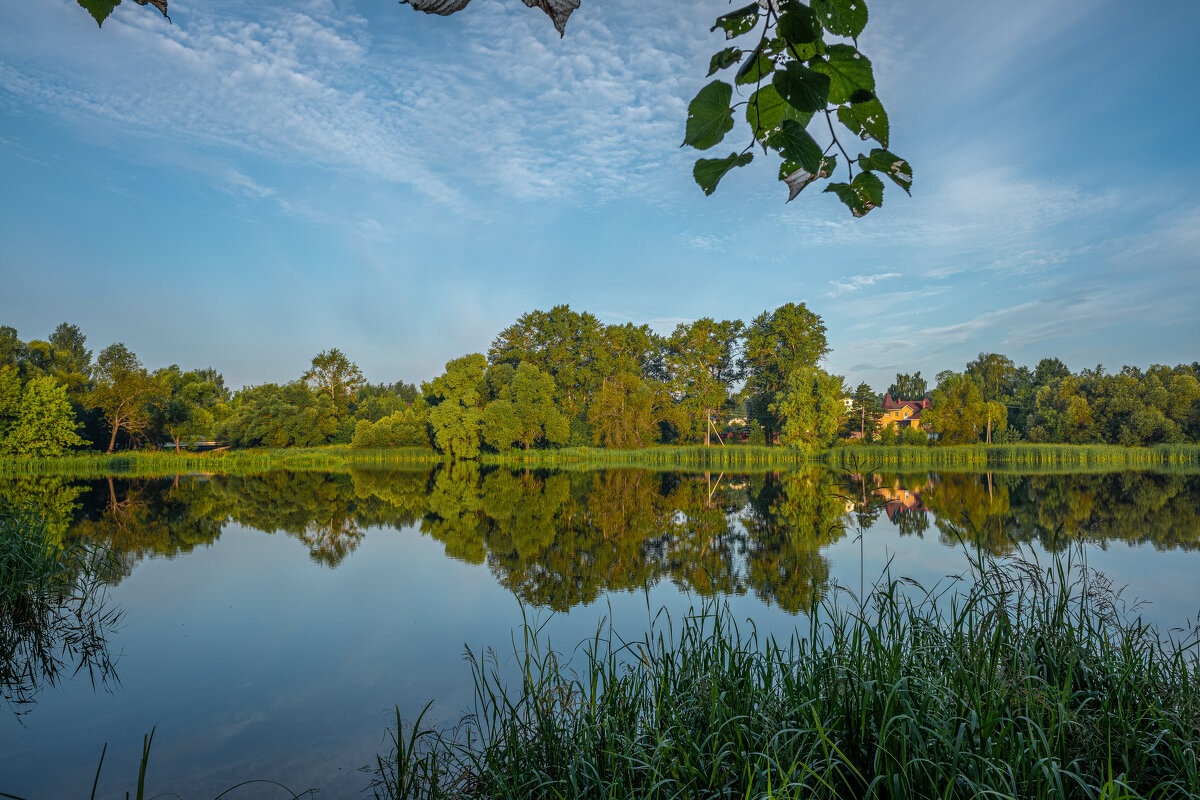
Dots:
(258, 182)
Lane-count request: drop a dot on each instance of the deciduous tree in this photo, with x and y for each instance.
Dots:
(124, 391)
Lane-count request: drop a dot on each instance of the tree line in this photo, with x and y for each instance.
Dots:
(563, 378)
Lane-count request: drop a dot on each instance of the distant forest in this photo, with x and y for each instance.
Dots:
(562, 378)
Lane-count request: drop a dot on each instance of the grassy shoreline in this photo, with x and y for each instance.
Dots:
(1001, 458)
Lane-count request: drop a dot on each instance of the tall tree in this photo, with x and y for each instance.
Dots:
(810, 408)
(522, 410)
(334, 375)
(957, 412)
(702, 359)
(457, 396)
(776, 344)
(867, 409)
(123, 391)
(908, 387)
(627, 411)
(562, 343)
(995, 373)
(45, 424)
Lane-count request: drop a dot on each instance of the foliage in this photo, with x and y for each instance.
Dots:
(457, 396)
(776, 344)
(271, 415)
(124, 391)
(45, 424)
(908, 387)
(522, 410)
(628, 411)
(865, 412)
(335, 375)
(810, 408)
(797, 76)
(408, 427)
(702, 361)
(958, 411)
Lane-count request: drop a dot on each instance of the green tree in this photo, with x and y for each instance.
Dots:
(776, 344)
(866, 411)
(1063, 414)
(45, 424)
(627, 412)
(702, 360)
(10, 398)
(457, 396)
(958, 412)
(124, 391)
(908, 387)
(271, 415)
(810, 408)
(994, 373)
(335, 375)
(522, 410)
(561, 343)
(185, 410)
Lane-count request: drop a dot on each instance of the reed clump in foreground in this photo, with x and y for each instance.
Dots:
(1020, 681)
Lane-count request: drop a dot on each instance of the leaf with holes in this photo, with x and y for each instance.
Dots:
(868, 120)
(735, 23)
(798, 24)
(766, 110)
(861, 195)
(709, 171)
(797, 177)
(801, 87)
(843, 17)
(891, 165)
(849, 72)
(723, 60)
(709, 116)
(795, 145)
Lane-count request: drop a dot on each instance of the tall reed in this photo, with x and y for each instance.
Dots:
(1022, 680)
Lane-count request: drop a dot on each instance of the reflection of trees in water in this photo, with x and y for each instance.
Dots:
(791, 516)
(560, 539)
(55, 500)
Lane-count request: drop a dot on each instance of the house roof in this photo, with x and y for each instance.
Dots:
(916, 405)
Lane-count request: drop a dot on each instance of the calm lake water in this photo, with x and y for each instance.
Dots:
(272, 623)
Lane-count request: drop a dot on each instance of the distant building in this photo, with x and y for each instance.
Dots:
(902, 413)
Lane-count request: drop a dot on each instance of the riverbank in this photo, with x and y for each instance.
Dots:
(747, 458)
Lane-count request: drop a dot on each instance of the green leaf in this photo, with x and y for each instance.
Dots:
(794, 144)
(726, 58)
(757, 67)
(798, 24)
(709, 171)
(709, 116)
(842, 17)
(766, 110)
(849, 72)
(861, 195)
(868, 120)
(797, 177)
(801, 87)
(889, 164)
(735, 23)
(99, 9)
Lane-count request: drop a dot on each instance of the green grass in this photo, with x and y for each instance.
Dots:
(145, 463)
(1032, 456)
(1024, 681)
(716, 455)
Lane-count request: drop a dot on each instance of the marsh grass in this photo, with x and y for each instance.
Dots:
(163, 462)
(1017, 680)
(1019, 456)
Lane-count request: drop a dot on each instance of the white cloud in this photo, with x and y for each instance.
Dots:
(853, 283)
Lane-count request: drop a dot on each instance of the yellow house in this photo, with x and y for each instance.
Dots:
(902, 413)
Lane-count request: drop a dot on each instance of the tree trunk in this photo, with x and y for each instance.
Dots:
(112, 442)
(176, 440)
(707, 429)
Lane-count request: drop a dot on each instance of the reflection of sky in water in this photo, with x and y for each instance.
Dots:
(256, 662)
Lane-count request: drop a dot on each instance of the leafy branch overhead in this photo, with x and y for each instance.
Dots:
(794, 75)
(801, 67)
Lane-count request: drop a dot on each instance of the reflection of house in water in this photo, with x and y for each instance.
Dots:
(899, 499)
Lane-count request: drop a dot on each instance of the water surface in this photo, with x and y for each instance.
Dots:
(273, 622)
